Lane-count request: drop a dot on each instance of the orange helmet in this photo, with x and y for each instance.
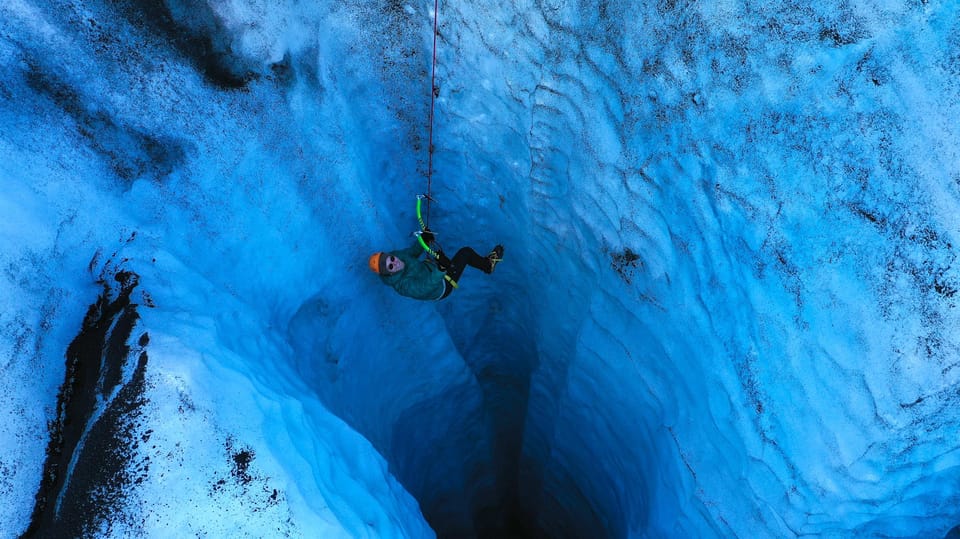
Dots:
(378, 263)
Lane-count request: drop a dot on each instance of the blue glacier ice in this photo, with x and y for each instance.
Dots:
(728, 306)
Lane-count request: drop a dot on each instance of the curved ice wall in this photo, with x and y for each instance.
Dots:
(727, 307)
(739, 259)
(213, 151)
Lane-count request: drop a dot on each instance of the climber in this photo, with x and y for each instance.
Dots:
(429, 279)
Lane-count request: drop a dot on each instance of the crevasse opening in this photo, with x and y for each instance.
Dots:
(727, 305)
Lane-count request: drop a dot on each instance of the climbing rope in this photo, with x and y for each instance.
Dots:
(433, 97)
(423, 227)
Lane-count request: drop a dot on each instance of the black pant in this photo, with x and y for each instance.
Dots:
(464, 257)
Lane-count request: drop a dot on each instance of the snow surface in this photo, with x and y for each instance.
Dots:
(728, 305)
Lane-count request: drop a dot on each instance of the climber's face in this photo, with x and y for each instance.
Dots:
(394, 264)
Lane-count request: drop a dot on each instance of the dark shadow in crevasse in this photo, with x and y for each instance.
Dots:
(130, 151)
(198, 36)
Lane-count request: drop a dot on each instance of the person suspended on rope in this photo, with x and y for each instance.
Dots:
(433, 278)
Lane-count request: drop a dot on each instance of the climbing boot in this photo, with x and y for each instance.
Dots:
(495, 256)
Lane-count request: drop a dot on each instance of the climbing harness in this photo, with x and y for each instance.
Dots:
(451, 281)
(436, 254)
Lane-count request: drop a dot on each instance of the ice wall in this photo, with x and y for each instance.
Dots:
(739, 256)
(211, 150)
